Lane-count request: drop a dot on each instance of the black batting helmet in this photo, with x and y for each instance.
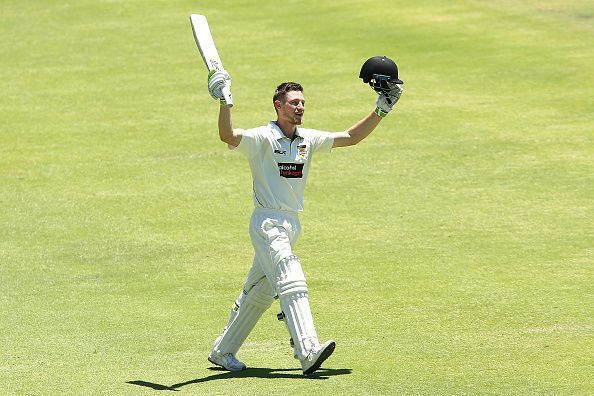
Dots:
(378, 71)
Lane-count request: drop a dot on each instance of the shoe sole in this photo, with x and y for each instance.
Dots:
(220, 365)
(323, 356)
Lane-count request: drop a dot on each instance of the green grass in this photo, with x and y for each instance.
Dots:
(452, 252)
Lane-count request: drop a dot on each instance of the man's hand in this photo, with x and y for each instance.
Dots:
(387, 100)
(217, 80)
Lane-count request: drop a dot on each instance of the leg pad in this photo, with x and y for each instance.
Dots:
(249, 307)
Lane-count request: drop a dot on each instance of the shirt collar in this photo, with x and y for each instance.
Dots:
(277, 133)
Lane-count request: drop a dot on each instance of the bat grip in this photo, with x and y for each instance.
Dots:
(227, 96)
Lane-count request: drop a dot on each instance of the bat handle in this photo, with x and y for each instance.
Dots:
(227, 96)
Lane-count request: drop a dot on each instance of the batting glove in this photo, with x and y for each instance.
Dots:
(217, 80)
(387, 100)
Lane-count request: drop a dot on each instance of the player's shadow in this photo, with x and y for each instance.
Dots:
(255, 372)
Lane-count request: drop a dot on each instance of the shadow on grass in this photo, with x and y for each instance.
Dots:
(254, 372)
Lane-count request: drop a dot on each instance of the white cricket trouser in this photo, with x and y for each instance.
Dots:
(275, 271)
(274, 234)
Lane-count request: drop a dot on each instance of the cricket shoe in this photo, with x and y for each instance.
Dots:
(316, 357)
(227, 361)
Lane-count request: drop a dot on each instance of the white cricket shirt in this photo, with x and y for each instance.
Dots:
(280, 165)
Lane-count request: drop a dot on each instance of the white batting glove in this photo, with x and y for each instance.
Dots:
(387, 100)
(217, 80)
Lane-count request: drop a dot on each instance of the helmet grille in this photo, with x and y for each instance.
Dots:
(380, 83)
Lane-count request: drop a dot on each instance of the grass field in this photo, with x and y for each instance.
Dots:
(452, 252)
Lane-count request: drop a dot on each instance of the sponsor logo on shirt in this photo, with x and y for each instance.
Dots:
(290, 170)
(280, 152)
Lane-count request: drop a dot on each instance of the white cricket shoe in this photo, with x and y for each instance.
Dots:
(317, 356)
(227, 361)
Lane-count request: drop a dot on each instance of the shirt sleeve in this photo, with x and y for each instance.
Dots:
(322, 141)
(250, 142)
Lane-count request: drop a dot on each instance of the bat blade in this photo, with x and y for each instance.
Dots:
(208, 50)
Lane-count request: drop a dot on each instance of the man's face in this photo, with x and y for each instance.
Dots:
(293, 108)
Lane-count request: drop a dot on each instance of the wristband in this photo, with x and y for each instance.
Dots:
(380, 112)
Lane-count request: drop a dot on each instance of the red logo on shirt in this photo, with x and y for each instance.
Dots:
(290, 171)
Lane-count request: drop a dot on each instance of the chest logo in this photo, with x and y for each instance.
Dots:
(283, 152)
(290, 170)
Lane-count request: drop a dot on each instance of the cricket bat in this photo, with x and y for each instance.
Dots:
(208, 50)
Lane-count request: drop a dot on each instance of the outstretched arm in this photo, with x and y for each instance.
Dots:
(357, 132)
(362, 129)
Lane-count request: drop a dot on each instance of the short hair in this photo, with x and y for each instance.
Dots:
(283, 89)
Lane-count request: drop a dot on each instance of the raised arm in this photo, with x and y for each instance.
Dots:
(217, 81)
(362, 129)
(226, 132)
(357, 132)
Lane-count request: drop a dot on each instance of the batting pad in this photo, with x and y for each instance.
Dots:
(299, 321)
(248, 309)
(290, 277)
(294, 301)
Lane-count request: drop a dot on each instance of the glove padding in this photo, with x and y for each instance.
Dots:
(387, 100)
(217, 80)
